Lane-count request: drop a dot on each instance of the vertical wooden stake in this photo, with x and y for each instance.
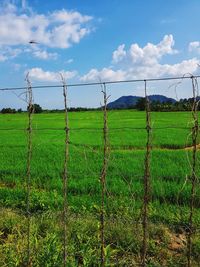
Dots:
(103, 176)
(146, 197)
(195, 130)
(30, 110)
(65, 174)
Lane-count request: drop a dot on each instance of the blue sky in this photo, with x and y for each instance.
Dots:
(91, 40)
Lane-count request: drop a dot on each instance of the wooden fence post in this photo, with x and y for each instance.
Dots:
(146, 182)
(195, 129)
(30, 110)
(65, 173)
(104, 174)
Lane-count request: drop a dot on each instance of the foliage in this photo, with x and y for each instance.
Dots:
(8, 110)
(182, 105)
(37, 108)
(140, 104)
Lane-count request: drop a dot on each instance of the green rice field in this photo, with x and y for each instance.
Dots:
(171, 159)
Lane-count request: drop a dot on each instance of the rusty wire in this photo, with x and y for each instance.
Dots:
(99, 129)
(105, 82)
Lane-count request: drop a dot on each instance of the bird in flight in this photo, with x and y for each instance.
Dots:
(33, 42)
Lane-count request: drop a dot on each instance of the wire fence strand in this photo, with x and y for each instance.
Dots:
(105, 82)
(97, 129)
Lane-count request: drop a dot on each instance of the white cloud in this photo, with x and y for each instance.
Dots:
(58, 29)
(8, 52)
(69, 61)
(143, 62)
(2, 58)
(161, 70)
(119, 54)
(8, 7)
(16, 66)
(24, 4)
(39, 74)
(194, 47)
(105, 74)
(43, 54)
(69, 17)
(168, 21)
(151, 53)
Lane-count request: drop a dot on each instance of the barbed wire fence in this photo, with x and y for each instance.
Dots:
(107, 195)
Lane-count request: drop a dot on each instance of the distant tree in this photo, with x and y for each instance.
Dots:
(8, 110)
(140, 104)
(19, 110)
(36, 108)
(156, 105)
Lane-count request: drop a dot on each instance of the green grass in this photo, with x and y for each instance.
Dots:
(170, 184)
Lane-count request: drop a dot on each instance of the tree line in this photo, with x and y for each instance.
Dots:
(181, 105)
(38, 109)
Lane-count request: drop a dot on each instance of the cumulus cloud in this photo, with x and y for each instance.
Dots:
(150, 53)
(24, 4)
(194, 47)
(119, 54)
(57, 29)
(69, 61)
(70, 17)
(104, 74)
(43, 54)
(38, 74)
(16, 66)
(161, 70)
(2, 58)
(144, 62)
(7, 52)
(8, 7)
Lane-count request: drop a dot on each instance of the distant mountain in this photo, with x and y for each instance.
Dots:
(161, 98)
(123, 102)
(130, 101)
